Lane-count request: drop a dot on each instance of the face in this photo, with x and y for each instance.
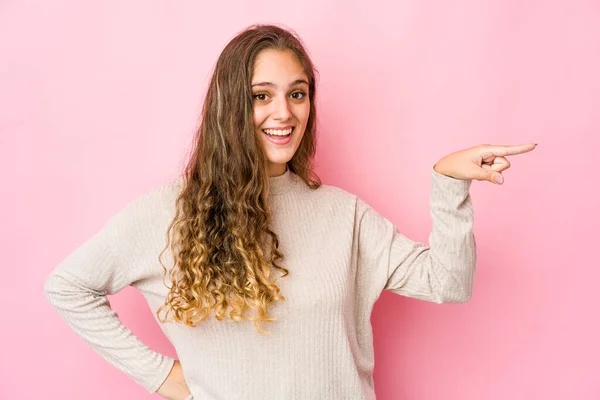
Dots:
(280, 105)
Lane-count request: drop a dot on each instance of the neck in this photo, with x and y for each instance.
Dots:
(282, 183)
(274, 170)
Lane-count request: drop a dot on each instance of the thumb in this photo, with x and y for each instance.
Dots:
(487, 174)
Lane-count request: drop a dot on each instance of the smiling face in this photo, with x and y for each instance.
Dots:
(280, 105)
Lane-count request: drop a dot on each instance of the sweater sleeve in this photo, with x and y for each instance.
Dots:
(77, 289)
(441, 272)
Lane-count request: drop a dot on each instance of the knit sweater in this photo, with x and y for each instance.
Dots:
(340, 254)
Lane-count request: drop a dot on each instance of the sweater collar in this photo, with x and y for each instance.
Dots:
(282, 183)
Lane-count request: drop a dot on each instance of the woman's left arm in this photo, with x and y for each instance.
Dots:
(443, 271)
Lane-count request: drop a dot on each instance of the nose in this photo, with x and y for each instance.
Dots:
(281, 111)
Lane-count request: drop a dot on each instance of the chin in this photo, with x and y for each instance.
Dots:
(280, 157)
(279, 161)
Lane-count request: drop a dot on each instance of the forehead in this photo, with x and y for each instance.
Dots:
(281, 65)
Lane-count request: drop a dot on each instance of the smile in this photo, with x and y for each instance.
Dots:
(280, 137)
(278, 132)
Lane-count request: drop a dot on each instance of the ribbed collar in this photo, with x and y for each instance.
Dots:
(282, 183)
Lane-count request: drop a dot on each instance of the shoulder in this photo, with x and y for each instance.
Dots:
(330, 193)
(346, 202)
(152, 207)
(327, 200)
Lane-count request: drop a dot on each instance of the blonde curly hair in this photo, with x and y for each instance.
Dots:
(223, 249)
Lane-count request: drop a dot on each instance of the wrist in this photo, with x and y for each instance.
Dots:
(440, 170)
(174, 386)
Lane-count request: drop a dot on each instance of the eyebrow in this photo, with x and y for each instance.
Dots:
(296, 82)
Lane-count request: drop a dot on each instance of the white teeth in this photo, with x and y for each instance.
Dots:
(278, 132)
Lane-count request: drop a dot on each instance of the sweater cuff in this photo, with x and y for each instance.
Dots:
(161, 375)
(447, 184)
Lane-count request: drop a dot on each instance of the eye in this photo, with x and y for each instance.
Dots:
(260, 96)
(298, 95)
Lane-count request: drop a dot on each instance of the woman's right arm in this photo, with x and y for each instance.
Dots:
(175, 386)
(78, 289)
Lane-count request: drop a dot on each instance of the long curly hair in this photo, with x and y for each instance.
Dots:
(224, 252)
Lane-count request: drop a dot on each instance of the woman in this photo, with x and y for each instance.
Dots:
(251, 235)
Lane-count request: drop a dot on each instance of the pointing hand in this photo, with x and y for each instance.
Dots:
(483, 163)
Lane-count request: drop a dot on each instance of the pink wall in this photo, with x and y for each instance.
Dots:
(99, 100)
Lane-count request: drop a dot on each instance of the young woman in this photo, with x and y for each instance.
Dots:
(270, 277)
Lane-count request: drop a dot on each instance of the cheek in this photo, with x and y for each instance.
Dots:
(303, 112)
(258, 116)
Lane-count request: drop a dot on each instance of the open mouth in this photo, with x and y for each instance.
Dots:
(278, 133)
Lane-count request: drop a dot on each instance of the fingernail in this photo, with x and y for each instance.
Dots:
(499, 179)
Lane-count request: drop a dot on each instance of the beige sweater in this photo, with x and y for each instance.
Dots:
(340, 253)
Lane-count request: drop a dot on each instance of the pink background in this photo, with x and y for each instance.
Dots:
(99, 101)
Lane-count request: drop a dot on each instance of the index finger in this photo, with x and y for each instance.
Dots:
(509, 150)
